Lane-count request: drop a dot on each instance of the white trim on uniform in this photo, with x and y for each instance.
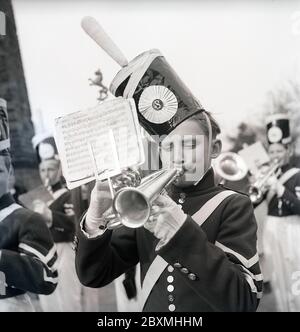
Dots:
(51, 254)
(9, 210)
(209, 207)
(50, 279)
(44, 260)
(40, 256)
(256, 277)
(276, 116)
(283, 179)
(158, 265)
(252, 286)
(155, 270)
(246, 262)
(58, 193)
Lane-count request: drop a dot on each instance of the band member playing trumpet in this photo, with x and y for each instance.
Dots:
(59, 210)
(282, 230)
(27, 252)
(197, 250)
(60, 216)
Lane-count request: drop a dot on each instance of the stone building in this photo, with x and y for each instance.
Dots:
(13, 90)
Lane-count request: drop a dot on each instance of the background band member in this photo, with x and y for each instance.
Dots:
(282, 229)
(197, 251)
(59, 210)
(27, 251)
(59, 213)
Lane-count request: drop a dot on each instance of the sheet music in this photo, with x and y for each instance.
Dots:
(254, 155)
(111, 130)
(39, 193)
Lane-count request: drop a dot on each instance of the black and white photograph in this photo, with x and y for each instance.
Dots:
(149, 157)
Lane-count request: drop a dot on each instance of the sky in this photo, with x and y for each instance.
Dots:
(229, 53)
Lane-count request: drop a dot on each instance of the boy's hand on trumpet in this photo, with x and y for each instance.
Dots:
(40, 207)
(165, 220)
(100, 208)
(275, 186)
(100, 205)
(128, 178)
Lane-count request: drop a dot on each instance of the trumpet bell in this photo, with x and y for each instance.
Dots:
(133, 205)
(258, 189)
(255, 195)
(230, 166)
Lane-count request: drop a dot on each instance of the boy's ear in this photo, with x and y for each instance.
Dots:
(216, 148)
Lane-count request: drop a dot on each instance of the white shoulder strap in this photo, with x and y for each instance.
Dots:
(158, 265)
(288, 175)
(210, 206)
(283, 179)
(59, 192)
(155, 270)
(9, 210)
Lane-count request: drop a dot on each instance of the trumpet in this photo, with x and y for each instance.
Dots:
(47, 185)
(132, 205)
(230, 166)
(259, 187)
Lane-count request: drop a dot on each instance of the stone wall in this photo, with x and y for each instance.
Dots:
(13, 90)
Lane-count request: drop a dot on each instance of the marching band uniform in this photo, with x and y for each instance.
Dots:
(63, 227)
(27, 252)
(210, 268)
(67, 296)
(27, 256)
(282, 229)
(211, 263)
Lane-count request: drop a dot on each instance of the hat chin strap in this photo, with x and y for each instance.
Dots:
(209, 146)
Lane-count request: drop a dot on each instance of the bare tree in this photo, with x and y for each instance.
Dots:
(285, 98)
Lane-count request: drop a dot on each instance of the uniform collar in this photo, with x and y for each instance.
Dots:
(207, 183)
(285, 168)
(56, 186)
(6, 200)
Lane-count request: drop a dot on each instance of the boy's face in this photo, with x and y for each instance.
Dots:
(186, 147)
(280, 152)
(4, 176)
(50, 172)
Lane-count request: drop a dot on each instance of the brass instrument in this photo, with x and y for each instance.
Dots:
(47, 185)
(132, 205)
(230, 166)
(259, 187)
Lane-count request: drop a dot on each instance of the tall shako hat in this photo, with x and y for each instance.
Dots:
(45, 147)
(162, 100)
(4, 127)
(278, 128)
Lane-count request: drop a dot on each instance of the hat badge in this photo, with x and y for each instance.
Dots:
(46, 151)
(275, 134)
(158, 104)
